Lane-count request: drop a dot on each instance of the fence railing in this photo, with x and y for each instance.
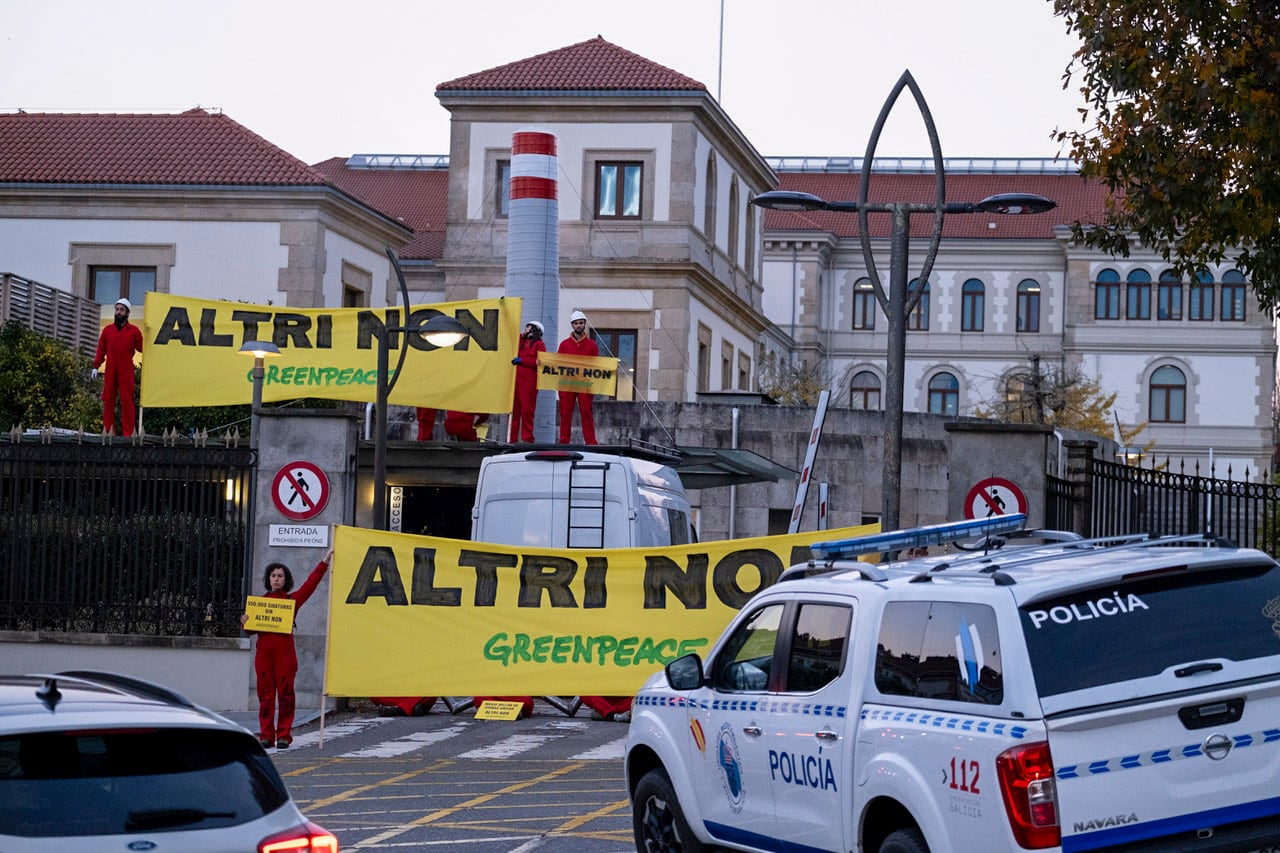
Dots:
(1146, 500)
(56, 313)
(123, 539)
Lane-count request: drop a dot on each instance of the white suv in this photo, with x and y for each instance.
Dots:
(1062, 695)
(98, 761)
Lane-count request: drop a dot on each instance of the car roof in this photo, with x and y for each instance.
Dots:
(60, 701)
(1033, 572)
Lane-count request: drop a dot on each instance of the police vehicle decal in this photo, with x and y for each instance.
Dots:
(730, 761)
(764, 706)
(945, 721)
(1160, 756)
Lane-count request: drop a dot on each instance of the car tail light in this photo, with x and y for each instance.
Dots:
(1030, 795)
(307, 838)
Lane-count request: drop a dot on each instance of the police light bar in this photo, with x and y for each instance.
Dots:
(917, 537)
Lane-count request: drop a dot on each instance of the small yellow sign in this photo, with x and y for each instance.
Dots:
(496, 709)
(273, 615)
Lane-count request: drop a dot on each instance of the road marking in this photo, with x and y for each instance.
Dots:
(605, 751)
(409, 743)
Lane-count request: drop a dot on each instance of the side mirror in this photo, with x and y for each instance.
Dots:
(685, 673)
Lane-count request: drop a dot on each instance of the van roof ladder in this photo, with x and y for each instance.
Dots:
(586, 504)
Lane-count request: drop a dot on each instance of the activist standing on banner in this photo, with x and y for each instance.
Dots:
(117, 344)
(578, 343)
(275, 664)
(526, 399)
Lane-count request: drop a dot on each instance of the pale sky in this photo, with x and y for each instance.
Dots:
(322, 79)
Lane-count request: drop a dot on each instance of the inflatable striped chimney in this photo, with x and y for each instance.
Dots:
(533, 250)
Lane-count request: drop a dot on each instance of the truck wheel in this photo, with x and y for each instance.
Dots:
(904, 841)
(657, 820)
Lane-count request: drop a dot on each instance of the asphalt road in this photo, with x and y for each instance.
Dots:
(550, 783)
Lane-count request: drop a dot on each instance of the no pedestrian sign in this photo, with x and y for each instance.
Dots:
(300, 490)
(994, 496)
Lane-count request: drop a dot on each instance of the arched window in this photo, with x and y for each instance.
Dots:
(918, 320)
(973, 297)
(864, 304)
(1138, 297)
(1201, 297)
(1106, 296)
(1169, 300)
(733, 221)
(944, 394)
(1233, 284)
(864, 391)
(750, 264)
(1168, 396)
(709, 203)
(1029, 305)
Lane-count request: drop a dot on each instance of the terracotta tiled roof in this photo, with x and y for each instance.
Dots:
(190, 148)
(414, 197)
(1077, 198)
(594, 64)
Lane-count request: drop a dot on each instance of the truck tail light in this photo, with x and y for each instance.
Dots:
(1030, 795)
(307, 838)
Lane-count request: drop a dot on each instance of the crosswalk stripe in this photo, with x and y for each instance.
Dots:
(409, 743)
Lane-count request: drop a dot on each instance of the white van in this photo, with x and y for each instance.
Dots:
(574, 498)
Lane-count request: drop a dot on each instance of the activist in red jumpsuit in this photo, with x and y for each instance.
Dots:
(526, 399)
(276, 662)
(578, 343)
(117, 344)
(426, 423)
(461, 426)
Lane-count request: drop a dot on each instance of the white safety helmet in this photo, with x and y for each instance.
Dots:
(577, 315)
(125, 303)
(537, 326)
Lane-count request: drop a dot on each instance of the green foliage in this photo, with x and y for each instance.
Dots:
(1182, 102)
(1057, 396)
(43, 382)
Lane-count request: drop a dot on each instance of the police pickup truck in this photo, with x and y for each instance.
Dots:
(1040, 693)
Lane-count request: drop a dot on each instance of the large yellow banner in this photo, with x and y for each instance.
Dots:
(330, 353)
(581, 374)
(424, 616)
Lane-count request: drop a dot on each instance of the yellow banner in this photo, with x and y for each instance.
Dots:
(424, 616)
(330, 353)
(578, 373)
(273, 615)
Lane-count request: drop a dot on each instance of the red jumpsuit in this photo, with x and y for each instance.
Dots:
(461, 426)
(526, 399)
(117, 344)
(569, 346)
(426, 423)
(276, 664)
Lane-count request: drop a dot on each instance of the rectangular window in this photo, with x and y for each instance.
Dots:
(1170, 300)
(620, 344)
(618, 190)
(1106, 304)
(726, 366)
(744, 372)
(1200, 299)
(502, 189)
(108, 284)
(1233, 301)
(1138, 301)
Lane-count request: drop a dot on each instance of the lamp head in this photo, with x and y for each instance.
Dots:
(1015, 203)
(259, 349)
(789, 200)
(443, 331)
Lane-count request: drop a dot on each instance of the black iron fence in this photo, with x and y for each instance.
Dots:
(1128, 499)
(123, 539)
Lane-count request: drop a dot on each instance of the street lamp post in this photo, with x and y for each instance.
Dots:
(901, 297)
(259, 350)
(440, 331)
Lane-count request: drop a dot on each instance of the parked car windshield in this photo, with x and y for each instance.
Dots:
(133, 780)
(1143, 625)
